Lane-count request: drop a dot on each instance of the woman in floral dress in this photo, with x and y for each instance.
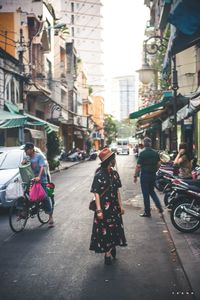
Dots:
(108, 230)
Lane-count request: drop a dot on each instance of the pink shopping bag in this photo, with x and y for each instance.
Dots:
(37, 193)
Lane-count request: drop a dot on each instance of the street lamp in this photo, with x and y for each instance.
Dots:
(151, 46)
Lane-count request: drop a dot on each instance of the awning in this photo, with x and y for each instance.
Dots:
(168, 123)
(9, 120)
(182, 113)
(185, 33)
(36, 134)
(36, 89)
(11, 107)
(186, 16)
(189, 109)
(165, 10)
(34, 121)
(153, 127)
(164, 100)
(151, 116)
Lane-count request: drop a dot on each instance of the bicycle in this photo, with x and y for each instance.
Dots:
(22, 209)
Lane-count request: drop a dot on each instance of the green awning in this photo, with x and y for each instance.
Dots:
(10, 120)
(166, 98)
(11, 107)
(34, 121)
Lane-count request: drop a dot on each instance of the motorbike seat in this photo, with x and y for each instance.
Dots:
(194, 188)
(192, 182)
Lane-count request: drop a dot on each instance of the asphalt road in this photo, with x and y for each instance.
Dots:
(55, 264)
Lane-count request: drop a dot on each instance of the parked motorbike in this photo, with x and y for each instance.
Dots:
(73, 155)
(93, 155)
(164, 173)
(65, 155)
(185, 204)
(168, 166)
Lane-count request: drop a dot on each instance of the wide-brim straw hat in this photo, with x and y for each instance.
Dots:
(105, 154)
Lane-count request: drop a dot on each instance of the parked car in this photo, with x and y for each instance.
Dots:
(10, 179)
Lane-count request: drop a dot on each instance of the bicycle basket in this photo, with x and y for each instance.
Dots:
(26, 173)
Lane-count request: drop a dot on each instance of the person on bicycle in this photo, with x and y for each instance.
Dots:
(38, 166)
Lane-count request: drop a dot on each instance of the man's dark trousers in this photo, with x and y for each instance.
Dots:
(147, 181)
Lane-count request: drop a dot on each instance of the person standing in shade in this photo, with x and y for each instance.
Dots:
(183, 161)
(147, 164)
(107, 230)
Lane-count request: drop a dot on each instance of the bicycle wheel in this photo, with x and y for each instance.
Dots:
(18, 215)
(43, 217)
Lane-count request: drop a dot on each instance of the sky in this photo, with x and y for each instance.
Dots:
(124, 22)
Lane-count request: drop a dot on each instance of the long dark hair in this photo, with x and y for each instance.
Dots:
(185, 147)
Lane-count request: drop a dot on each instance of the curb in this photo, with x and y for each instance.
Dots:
(189, 262)
(65, 167)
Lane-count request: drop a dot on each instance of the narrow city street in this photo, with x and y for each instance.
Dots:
(55, 264)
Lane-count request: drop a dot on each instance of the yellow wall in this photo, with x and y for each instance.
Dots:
(7, 33)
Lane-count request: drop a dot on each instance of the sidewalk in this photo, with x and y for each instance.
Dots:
(187, 247)
(65, 165)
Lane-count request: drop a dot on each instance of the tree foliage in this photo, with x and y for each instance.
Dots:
(110, 129)
(53, 145)
(53, 149)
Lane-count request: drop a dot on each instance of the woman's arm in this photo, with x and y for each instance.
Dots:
(180, 157)
(98, 206)
(120, 202)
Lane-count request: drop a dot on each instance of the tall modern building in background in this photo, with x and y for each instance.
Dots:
(84, 21)
(123, 96)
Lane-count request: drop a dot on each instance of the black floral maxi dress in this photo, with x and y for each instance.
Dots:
(108, 232)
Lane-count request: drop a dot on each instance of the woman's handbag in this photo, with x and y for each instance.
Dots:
(92, 204)
(37, 193)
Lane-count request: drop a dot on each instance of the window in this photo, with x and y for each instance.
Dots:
(49, 31)
(11, 89)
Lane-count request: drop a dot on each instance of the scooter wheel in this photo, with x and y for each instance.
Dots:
(181, 220)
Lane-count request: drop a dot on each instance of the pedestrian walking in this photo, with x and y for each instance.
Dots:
(183, 161)
(38, 166)
(147, 164)
(108, 229)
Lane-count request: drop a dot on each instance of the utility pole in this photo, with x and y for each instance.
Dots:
(21, 83)
(175, 88)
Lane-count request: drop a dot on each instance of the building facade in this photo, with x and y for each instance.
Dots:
(123, 97)
(40, 70)
(84, 22)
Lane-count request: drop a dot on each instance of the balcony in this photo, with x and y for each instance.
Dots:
(96, 136)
